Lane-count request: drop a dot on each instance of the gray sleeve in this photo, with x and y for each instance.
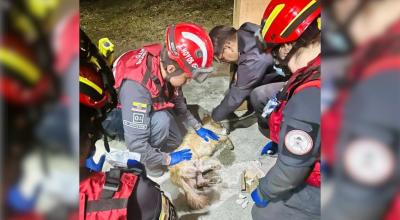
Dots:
(371, 113)
(136, 108)
(252, 68)
(302, 114)
(230, 103)
(182, 110)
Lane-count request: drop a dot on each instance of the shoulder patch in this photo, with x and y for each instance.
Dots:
(139, 104)
(139, 107)
(137, 121)
(298, 142)
(369, 162)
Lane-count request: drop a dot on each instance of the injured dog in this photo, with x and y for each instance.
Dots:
(197, 177)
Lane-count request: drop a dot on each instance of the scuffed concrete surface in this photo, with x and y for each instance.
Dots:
(247, 142)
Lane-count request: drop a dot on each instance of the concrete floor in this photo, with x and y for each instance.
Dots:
(247, 142)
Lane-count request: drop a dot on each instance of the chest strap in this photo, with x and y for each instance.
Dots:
(312, 74)
(149, 76)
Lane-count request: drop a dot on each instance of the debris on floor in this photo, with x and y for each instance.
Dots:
(249, 178)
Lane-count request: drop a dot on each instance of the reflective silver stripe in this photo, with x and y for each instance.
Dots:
(172, 40)
(105, 205)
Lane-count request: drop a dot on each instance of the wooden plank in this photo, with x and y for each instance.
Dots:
(248, 11)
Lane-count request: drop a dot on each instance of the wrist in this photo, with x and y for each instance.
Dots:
(197, 127)
(259, 199)
(167, 159)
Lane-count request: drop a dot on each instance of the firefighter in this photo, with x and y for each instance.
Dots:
(253, 70)
(149, 81)
(361, 128)
(121, 192)
(36, 119)
(291, 188)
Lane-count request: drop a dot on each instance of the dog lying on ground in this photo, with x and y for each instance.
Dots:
(197, 176)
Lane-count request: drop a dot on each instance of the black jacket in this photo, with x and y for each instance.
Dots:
(254, 68)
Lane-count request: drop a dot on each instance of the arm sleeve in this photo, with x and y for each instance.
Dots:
(252, 68)
(182, 110)
(368, 115)
(136, 107)
(230, 103)
(301, 116)
(250, 72)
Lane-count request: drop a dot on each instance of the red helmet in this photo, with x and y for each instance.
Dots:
(91, 87)
(284, 21)
(190, 46)
(23, 82)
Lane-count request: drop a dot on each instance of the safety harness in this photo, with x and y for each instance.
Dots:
(106, 196)
(369, 61)
(142, 66)
(161, 98)
(304, 78)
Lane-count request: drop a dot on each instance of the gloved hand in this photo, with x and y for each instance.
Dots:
(179, 156)
(20, 202)
(259, 201)
(270, 148)
(205, 134)
(132, 163)
(93, 166)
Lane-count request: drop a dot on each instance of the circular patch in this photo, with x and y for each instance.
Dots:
(298, 142)
(369, 162)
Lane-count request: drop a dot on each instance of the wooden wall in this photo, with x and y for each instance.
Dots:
(248, 11)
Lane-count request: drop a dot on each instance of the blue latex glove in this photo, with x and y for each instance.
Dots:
(132, 163)
(205, 134)
(93, 166)
(19, 202)
(179, 156)
(258, 199)
(270, 107)
(270, 148)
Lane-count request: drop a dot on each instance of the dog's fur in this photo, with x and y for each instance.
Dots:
(196, 177)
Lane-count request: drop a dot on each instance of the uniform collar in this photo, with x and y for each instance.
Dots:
(245, 42)
(246, 38)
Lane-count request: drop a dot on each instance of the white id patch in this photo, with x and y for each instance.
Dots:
(137, 121)
(298, 142)
(369, 162)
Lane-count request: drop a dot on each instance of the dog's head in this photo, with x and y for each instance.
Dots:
(216, 127)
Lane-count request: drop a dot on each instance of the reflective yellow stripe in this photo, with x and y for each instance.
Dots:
(94, 61)
(91, 84)
(298, 15)
(22, 66)
(42, 8)
(24, 24)
(271, 18)
(139, 104)
(319, 23)
(163, 209)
